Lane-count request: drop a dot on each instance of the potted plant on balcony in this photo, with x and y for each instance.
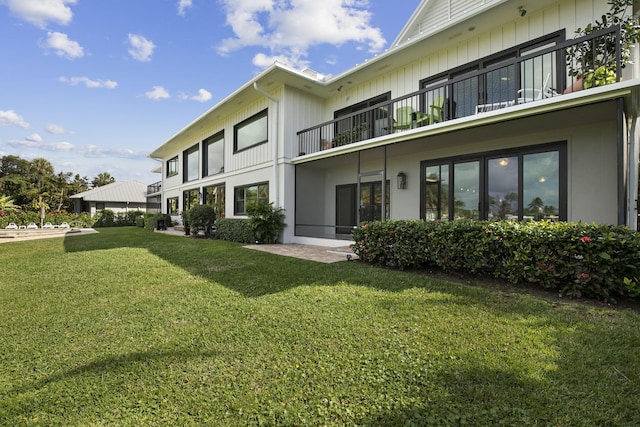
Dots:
(597, 66)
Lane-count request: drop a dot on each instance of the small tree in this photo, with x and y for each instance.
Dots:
(201, 217)
(267, 221)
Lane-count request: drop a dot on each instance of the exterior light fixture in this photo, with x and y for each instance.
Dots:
(503, 161)
(402, 181)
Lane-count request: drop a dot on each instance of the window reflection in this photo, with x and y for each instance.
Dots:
(437, 192)
(540, 180)
(466, 196)
(503, 188)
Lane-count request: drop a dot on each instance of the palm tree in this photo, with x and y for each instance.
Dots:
(102, 179)
(42, 171)
(7, 204)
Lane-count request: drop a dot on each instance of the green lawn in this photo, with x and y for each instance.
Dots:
(128, 327)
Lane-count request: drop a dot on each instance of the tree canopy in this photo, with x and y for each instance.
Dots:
(35, 186)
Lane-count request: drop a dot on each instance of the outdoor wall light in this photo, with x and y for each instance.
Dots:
(522, 11)
(402, 181)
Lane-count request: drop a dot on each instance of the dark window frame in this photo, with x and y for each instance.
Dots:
(237, 210)
(206, 143)
(264, 114)
(173, 167)
(493, 59)
(483, 159)
(185, 162)
(176, 205)
(189, 196)
(219, 204)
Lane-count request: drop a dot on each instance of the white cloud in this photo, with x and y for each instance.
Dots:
(183, 5)
(91, 84)
(57, 129)
(288, 29)
(36, 142)
(140, 48)
(11, 118)
(40, 12)
(157, 93)
(63, 46)
(202, 96)
(34, 138)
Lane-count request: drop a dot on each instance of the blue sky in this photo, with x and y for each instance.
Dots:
(95, 85)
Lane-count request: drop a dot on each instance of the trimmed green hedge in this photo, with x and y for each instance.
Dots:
(235, 230)
(82, 220)
(595, 261)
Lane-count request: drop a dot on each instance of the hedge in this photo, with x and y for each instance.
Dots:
(578, 260)
(235, 230)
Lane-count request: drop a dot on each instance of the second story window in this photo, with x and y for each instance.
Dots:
(213, 155)
(251, 132)
(191, 160)
(172, 166)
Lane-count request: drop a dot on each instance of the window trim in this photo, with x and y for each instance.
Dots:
(217, 137)
(237, 212)
(480, 64)
(185, 162)
(483, 159)
(186, 206)
(220, 206)
(177, 205)
(175, 170)
(256, 117)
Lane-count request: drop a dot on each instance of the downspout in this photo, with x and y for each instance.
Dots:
(276, 180)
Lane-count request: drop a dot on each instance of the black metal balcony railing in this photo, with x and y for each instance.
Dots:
(547, 72)
(154, 188)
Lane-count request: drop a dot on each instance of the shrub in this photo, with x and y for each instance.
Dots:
(151, 221)
(105, 218)
(235, 230)
(267, 221)
(201, 217)
(597, 261)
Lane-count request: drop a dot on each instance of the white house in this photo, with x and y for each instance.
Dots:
(119, 197)
(469, 114)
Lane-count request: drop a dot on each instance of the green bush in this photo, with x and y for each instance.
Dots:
(201, 217)
(596, 261)
(235, 230)
(267, 221)
(151, 220)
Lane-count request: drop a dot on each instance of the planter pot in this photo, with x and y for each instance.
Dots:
(576, 86)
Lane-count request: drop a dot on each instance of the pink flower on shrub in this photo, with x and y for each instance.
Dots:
(584, 276)
(585, 239)
(392, 233)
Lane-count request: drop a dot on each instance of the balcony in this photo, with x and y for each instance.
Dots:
(550, 70)
(154, 188)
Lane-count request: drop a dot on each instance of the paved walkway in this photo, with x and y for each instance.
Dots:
(323, 254)
(315, 253)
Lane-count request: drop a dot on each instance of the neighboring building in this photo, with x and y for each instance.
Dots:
(119, 197)
(469, 114)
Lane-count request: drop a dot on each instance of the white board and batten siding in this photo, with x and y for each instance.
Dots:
(405, 79)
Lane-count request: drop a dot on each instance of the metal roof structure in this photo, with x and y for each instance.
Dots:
(125, 191)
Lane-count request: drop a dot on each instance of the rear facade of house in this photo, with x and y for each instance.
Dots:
(473, 112)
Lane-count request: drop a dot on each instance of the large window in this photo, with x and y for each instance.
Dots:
(524, 184)
(191, 160)
(190, 198)
(251, 132)
(172, 206)
(172, 166)
(370, 124)
(505, 82)
(214, 196)
(213, 155)
(249, 195)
